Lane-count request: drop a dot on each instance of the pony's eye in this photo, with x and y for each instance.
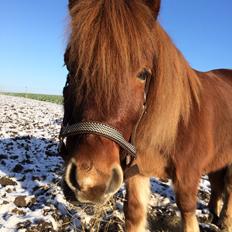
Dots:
(143, 75)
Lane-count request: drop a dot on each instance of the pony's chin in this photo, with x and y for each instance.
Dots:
(97, 201)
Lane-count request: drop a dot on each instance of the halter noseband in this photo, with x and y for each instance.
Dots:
(98, 128)
(111, 133)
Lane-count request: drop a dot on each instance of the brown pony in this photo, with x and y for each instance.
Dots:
(115, 47)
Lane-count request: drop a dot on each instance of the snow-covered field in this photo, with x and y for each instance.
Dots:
(31, 170)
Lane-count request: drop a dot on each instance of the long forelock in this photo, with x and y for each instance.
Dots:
(109, 40)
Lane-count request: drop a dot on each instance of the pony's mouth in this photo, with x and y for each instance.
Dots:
(79, 198)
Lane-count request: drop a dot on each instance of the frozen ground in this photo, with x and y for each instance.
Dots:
(31, 198)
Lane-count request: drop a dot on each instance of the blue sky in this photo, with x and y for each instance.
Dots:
(33, 38)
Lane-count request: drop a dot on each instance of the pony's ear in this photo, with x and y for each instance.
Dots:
(154, 6)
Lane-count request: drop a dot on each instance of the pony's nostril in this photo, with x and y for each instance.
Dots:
(71, 177)
(115, 181)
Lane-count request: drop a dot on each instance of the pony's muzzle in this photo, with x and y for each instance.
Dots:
(92, 189)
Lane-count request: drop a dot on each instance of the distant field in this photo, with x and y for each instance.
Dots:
(41, 97)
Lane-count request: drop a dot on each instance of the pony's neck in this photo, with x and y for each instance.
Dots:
(175, 88)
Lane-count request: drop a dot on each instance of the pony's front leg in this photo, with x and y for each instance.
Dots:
(186, 188)
(135, 208)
